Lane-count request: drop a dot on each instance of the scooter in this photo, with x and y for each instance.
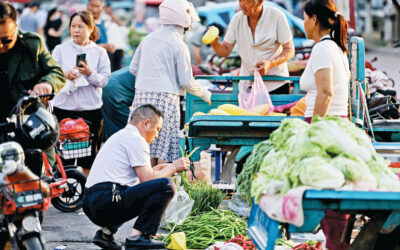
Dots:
(23, 194)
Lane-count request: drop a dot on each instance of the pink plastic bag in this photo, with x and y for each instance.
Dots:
(251, 96)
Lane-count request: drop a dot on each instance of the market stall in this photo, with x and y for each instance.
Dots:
(382, 206)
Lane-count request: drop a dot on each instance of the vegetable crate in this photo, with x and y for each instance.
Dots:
(232, 131)
(384, 206)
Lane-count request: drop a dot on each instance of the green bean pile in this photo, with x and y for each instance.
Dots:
(251, 168)
(205, 229)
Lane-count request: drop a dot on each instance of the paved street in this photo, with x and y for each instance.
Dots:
(74, 230)
(388, 61)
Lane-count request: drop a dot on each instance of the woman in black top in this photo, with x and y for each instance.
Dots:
(53, 29)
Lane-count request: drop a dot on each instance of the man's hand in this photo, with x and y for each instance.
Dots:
(263, 67)
(182, 164)
(161, 166)
(84, 69)
(71, 75)
(43, 88)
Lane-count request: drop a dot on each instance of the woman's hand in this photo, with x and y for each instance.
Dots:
(84, 69)
(263, 67)
(71, 75)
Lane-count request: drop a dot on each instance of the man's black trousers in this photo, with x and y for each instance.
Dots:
(147, 200)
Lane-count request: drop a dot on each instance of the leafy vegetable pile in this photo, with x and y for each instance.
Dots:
(250, 169)
(205, 229)
(329, 153)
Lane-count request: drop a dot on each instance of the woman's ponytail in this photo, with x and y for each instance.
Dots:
(339, 32)
(94, 36)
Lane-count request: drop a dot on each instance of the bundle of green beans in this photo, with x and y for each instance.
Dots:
(205, 197)
(205, 229)
(251, 168)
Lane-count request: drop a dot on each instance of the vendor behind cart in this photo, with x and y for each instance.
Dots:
(326, 80)
(263, 39)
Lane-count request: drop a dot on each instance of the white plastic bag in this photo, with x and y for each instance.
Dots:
(72, 86)
(178, 209)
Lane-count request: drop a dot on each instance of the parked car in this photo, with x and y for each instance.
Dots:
(222, 14)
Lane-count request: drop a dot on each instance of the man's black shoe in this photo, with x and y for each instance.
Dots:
(105, 241)
(143, 242)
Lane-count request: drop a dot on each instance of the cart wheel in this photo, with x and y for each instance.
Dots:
(32, 243)
(71, 200)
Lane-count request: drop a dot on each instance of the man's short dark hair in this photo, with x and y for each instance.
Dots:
(7, 11)
(145, 112)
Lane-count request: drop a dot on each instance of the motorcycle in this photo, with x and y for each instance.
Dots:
(24, 196)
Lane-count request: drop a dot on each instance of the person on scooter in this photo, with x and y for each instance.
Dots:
(25, 64)
(122, 184)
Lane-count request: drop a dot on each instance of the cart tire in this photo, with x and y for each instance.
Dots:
(71, 200)
(32, 243)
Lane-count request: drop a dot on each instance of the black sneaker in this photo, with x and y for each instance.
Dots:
(105, 241)
(143, 242)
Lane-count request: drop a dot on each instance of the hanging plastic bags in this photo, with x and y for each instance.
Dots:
(255, 95)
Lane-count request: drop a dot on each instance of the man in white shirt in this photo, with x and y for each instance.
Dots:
(263, 39)
(122, 184)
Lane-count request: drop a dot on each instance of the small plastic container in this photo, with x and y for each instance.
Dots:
(210, 35)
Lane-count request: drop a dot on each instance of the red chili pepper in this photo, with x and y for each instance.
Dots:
(395, 165)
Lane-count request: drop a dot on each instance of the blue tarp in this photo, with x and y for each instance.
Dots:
(117, 97)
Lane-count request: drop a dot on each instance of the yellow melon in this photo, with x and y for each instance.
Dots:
(249, 113)
(260, 109)
(276, 114)
(217, 112)
(198, 113)
(231, 109)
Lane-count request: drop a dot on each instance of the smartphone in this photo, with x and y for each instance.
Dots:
(80, 58)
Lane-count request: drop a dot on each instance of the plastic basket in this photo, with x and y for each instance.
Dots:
(74, 147)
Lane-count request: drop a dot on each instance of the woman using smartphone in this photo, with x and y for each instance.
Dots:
(93, 65)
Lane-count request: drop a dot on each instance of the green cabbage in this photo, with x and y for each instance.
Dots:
(355, 171)
(287, 129)
(335, 140)
(330, 153)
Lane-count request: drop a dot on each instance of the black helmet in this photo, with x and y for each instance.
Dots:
(38, 130)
